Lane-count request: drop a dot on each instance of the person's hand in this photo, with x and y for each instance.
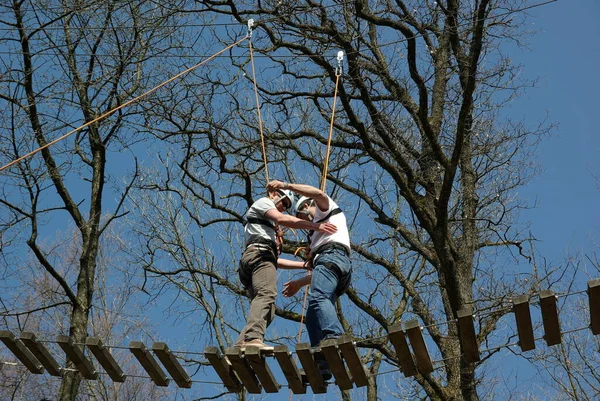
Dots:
(290, 288)
(327, 228)
(275, 185)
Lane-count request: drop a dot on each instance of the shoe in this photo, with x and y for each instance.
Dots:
(324, 369)
(257, 344)
(325, 373)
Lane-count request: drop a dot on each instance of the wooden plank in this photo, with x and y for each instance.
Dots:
(22, 353)
(105, 359)
(334, 360)
(289, 369)
(158, 376)
(223, 369)
(41, 353)
(261, 369)
(75, 354)
(468, 338)
(243, 370)
(413, 330)
(348, 349)
(550, 320)
(593, 291)
(170, 362)
(523, 319)
(311, 369)
(398, 339)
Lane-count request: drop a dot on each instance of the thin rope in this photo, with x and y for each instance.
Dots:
(325, 165)
(328, 151)
(108, 113)
(323, 183)
(300, 331)
(260, 125)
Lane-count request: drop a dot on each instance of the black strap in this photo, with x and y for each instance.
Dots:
(331, 245)
(335, 211)
(255, 220)
(266, 242)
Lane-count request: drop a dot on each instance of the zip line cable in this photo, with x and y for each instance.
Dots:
(110, 112)
(415, 36)
(297, 11)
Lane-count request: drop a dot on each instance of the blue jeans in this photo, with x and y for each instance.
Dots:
(330, 279)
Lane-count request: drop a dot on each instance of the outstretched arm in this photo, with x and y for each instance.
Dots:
(294, 222)
(290, 264)
(309, 191)
(291, 287)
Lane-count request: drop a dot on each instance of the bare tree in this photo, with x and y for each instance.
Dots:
(116, 315)
(65, 64)
(571, 368)
(423, 161)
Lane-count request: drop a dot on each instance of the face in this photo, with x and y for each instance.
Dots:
(304, 212)
(284, 204)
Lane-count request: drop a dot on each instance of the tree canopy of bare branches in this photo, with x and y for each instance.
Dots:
(423, 161)
(64, 64)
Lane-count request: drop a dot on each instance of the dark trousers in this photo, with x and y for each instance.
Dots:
(258, 274)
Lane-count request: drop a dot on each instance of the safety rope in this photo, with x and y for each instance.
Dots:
(108, 113)
(278, 230)
(260, 125)
(338, 73)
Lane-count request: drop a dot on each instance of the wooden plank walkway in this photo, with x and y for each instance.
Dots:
(249, 369)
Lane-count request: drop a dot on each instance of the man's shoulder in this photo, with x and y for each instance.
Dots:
(331, 205)
(263, 204)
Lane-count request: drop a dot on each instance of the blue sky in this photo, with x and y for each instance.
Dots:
(565, 54)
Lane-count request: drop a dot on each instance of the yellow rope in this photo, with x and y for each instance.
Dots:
(323, 184)
(260, 126)
(108, 113)
(327, 153)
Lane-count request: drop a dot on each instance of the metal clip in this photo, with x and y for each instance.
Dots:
(250, 24)
(340, 57)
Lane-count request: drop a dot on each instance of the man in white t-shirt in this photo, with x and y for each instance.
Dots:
(260, 260)
(332, 268)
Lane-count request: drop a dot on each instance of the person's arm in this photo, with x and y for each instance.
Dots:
(291, 287)
(309, 191)
(294, 222)
(290, 264)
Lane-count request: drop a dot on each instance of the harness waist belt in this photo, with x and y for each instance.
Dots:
(259, 246)
(264, 246)
(331, 245)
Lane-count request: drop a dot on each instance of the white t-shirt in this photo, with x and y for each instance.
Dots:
(342, 237)
(256, 232)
